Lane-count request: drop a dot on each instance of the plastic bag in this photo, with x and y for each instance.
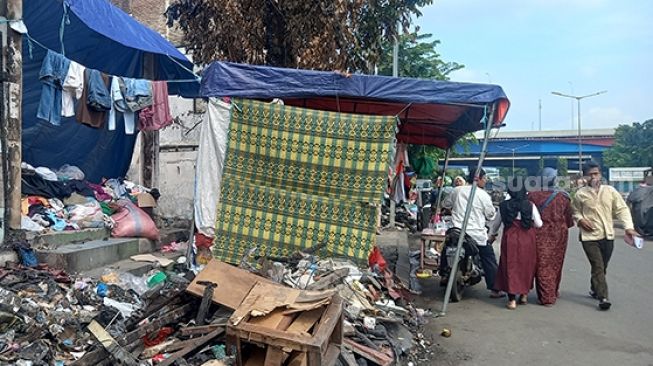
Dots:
(376, 260)
(131, 221)
(68, 172)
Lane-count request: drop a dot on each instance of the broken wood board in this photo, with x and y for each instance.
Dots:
(265, 298)
(275, 320)
(378, 357)
(198, 342)
(109, 343)
(233, 283)
(305, 321)
(164, 262)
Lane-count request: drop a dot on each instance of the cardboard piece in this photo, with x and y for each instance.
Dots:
(233, 283)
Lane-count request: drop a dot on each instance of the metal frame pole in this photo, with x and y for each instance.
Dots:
(468, 211)
(580, 142)
(444, 174)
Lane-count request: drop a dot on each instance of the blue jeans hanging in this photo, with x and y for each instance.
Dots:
(53, 73)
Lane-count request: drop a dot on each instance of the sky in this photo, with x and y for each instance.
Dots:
(533, 47)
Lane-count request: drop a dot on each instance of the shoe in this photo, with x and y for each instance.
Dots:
(511, 305)
(593, 295)
(523, 300)
(604, 304)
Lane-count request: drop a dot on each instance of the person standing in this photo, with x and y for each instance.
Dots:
(551, 239)
(595, 207)
(518, 260)
(483, 212)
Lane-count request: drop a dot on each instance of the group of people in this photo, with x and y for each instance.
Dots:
(535, 233)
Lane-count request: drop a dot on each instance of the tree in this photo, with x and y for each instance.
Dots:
(562, 165)
(418, 58)
(346, 35)
(632, 147)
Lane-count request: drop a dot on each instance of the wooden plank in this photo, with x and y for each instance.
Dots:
(275, 320)
(255, 333)
(199, 342)
(377, 357)
(305, 321)
(274, 357)
(109, 343)
(238, 281)
(328, 323)
(256, 358)
(298, 359)
(348, 357)
(198, 330)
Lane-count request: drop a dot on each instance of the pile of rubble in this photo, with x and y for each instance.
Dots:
(298, 310)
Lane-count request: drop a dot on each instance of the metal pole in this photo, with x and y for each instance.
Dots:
(395, 73)
(580, 142)
(513, 162)
(468, 211)
(444, 174)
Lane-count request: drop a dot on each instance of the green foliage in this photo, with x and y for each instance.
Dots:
(633, 146)
(418, 58)
(345, 35)
(562, 165)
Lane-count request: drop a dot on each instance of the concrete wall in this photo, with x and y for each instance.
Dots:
(178, 142)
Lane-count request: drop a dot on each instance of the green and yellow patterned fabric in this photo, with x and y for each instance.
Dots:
(294, 178)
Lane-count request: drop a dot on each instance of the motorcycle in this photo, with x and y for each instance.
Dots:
(469, 270)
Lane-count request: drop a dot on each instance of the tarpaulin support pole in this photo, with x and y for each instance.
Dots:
(489, 121)
(11, 110)
(447, 154)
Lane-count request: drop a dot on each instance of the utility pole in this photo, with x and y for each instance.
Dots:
(395, 73)
(11, 95)
(540, 114)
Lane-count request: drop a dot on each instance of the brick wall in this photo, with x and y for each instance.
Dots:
(151, 13)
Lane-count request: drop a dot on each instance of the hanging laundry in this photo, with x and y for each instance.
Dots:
(73, 87)
(158, 115)
(53, 72)
(129, 96)
(95, 91)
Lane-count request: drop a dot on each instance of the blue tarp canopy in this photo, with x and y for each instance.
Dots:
(99, 36)
(432, 112)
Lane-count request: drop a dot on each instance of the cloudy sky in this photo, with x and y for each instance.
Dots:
(533, 47)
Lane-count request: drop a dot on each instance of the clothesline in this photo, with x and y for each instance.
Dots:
(31, 40)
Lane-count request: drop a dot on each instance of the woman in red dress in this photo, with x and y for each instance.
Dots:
(518, 259)
(555, 208)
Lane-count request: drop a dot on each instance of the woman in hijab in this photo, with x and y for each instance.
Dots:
(555, 208)
(518, 259)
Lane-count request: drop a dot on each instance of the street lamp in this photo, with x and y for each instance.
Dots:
(513, 150)
(580, 142)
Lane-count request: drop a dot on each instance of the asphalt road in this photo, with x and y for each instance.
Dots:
(573, 332)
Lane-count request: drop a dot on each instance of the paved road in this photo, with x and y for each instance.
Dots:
(572, 332)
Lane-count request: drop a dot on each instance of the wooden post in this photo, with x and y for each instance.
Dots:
(149, 139)
(11, 96)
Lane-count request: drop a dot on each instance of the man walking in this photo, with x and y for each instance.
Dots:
(483, 212)
(595, 207)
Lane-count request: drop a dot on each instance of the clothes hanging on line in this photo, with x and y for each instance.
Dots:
(53, 72)
(73, 87)
(95, 85)
(158, 115)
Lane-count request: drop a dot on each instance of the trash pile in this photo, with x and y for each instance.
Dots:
(281, 311)
(61, 200)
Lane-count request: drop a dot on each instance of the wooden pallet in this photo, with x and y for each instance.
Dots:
(308, 338)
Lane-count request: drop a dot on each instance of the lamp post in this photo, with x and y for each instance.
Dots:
(513, 150)
(580, 141)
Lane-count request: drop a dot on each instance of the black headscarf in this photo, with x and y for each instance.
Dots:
(517, 204)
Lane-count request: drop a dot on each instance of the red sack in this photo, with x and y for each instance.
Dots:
(132, 222)
(376, 260)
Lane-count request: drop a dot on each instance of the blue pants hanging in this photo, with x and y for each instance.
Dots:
(52, 75)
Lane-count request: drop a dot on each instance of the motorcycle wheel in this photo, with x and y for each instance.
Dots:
(458, 288)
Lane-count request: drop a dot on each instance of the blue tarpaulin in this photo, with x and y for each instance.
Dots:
(99, 36)
(432, 112)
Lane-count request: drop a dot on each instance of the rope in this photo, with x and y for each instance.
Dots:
(65, 20)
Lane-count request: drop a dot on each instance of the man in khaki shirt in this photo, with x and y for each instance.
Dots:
(595, 207)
